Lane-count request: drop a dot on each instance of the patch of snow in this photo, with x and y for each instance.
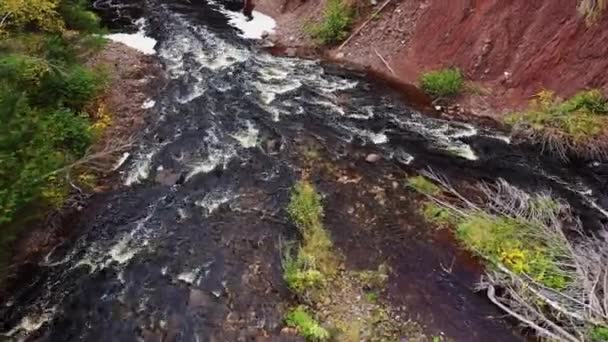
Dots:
(138, 40)
(251, 28)
(148, 104)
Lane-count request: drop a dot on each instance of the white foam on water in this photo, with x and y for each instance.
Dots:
(140, 169)
(215, 158)
(213, 200)
(444, 134)
(369, 114)
(122, 252)
(328, 104)
(189, 276)
(268, 92)
(247, 137)
(373, 137)
(465, 151)
(31, 323)
(504, 138)
(203, 46)
(254, 28)
(137, 40)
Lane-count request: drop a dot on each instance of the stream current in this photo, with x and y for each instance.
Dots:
(166, 255)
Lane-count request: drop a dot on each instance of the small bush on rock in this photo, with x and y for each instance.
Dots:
(442, 83)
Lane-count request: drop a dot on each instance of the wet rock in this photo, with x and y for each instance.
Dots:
(167, 177)
(288, 331)
(198, 298)
(151, 336)
(290, 52)
(373, 158)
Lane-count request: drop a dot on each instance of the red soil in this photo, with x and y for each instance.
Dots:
(509, 49)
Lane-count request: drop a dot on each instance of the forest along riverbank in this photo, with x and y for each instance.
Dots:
(189, 247)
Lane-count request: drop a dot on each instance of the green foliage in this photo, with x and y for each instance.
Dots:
(43, 92)
(73, 87)
(306, 325)
(423, 185)
(437, 214)
(512, 242)
(305, 206)
(299, 273)
(599, 334)
(582, 117)
(314, 260)
(34, 143)
(335, 25)
(77, 17)
(39, 14)
(442, 83)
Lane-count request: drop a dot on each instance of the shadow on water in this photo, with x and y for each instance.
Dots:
(187, 249)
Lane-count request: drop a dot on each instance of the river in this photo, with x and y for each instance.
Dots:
(187, 249)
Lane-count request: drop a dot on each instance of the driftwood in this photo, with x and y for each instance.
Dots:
(562, 314)
(364, 24)
(384, 62)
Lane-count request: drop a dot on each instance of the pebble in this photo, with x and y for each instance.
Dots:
(372, 158)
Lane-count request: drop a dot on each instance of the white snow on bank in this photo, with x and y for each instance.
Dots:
(254, 28)
(138, 40)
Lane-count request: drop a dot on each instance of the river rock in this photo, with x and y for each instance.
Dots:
(198, 298)
(372, 158)
(167, 177)
(290, 52)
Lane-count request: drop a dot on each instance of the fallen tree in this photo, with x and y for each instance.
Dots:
(542, 269)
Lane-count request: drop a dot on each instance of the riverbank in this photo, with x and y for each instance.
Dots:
(134, 78)
(549, 46)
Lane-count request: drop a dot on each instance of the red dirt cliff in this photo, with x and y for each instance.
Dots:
(510, 49)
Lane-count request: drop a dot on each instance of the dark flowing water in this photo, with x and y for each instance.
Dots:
(187, 249)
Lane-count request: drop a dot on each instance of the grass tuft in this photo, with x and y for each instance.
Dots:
(437, 214)
(577, 126)
(599, 334)
(423, 185)
(592, 9)
(314, 260)
(442, 83)
(306, 325)
(335, 25)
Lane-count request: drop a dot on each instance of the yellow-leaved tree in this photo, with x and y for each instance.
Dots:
(34, 14)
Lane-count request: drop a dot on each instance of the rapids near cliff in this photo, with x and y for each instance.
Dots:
(187, 249)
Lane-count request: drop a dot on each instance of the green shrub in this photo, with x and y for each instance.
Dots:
(423, 185)
(307, 326)
(335, 24)
(73, 87)
(23, 72)
(76, 16)
(305, 207)
(599, 334)
(512, 243)
(442, 83)
(299, 272)
(34, 143)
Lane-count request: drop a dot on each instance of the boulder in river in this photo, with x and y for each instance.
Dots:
(372, 158)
